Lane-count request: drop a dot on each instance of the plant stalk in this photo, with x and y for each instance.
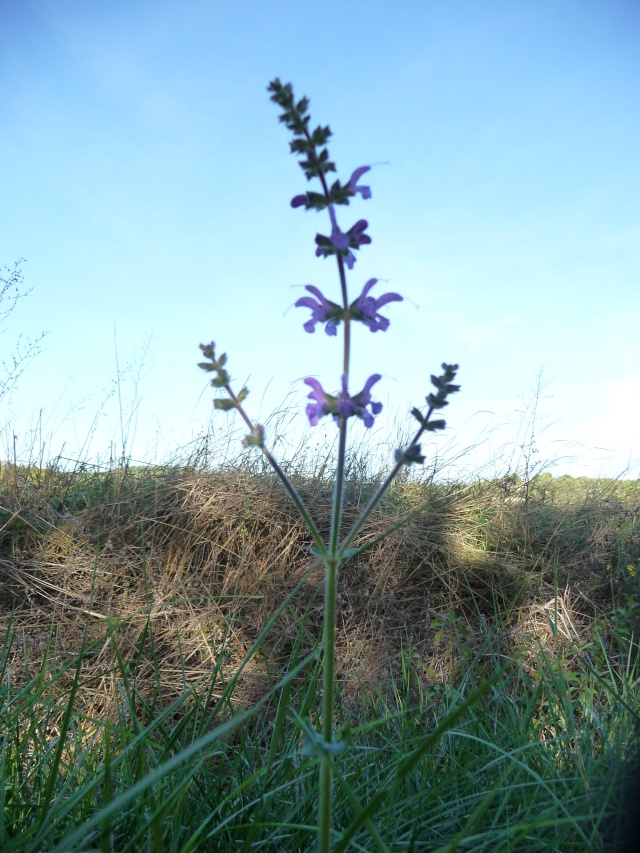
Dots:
(332, 563)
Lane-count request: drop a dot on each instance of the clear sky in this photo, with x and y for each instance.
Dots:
(146, 180)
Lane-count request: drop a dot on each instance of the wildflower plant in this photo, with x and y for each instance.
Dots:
(335, 315)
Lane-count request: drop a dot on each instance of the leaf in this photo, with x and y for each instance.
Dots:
(317, 552)
(435, 402)
(348, 552)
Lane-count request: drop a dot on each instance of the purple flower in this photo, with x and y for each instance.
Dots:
(338, 238)
(353, 183)
(322, 402)
(322, 311)
(363, 399)
(342, 406)
(357, 237)
(365, 308)
(298, 200)
(341, 242)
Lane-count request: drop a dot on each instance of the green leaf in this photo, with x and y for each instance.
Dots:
(299, 146)
(348, 552)
(317, 552)
(418, 415)
(315, 746)
(410, 456)
(208, 350)
(436, 402)
(224, 405)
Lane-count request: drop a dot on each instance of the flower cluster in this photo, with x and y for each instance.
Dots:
(341, 243)
(342, 406)
(364, 309)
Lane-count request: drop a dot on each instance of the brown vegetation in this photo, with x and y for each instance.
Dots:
(178, 570)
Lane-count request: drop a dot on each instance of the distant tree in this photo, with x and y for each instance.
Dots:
(11, 291)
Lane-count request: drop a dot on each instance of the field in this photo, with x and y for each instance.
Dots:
(161, 630)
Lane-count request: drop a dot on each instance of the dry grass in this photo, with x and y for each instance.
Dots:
(197, 562)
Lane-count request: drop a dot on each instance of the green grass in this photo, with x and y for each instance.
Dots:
(531, 763)
(160, 648)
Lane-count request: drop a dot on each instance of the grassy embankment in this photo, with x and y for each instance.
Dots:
(160, 631)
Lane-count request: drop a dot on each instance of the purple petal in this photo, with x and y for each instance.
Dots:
(306, 302)
(367, 418)
(353, 183)
(298, 200)
(357, 235)
(332, 216)
(339, 239)
(368, 385)
(318, 391)
(378, 324)
(367, 288)
(314, 413)
(388, 297)
(316, 292)
(357, 174)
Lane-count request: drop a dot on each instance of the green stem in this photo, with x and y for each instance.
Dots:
(346, 316)
(295, 497)
(286, 482)
(366, 512)
(329, 667)
(332, 563)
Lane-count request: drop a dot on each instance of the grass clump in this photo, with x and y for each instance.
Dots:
(161, 628)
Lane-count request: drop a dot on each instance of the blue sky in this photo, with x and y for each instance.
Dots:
(147, 184)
